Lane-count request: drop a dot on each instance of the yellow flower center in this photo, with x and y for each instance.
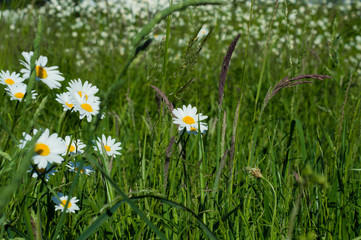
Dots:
(70, 105)
(107, 148)
(71, 148)
(41, 72)
(40, 170)
(194, 129)
(81, 171)
(42, 149)
(188, 120)
(81, 95)
(63, 202)
(87, 107)
(19, 95)
(9, 81)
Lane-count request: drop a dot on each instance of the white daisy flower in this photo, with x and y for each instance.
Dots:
(7, 78)
(76, 146)
(46, 172)
(75, 167)
(65, 100)
(72, 207)
(158, 37)
(86, 106)
(202, 32)
(48, 75)
(48, 149)
(187, 118)
(109, 144)
(87, 89)
(17, 91)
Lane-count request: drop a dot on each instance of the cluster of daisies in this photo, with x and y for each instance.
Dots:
(80, 96)
(14, 82)
(50, 150)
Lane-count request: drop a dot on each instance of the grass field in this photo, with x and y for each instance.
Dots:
(277, 158)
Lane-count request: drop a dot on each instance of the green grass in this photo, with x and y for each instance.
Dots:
(165, 185)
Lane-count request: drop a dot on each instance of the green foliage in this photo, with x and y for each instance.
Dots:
(288, 171)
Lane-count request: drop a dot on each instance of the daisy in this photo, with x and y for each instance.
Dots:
(46, 172)
(17, 91)
(187, 118)
(61, 200)
(87, 89)
(66, 100)
(7, 78)
(86, 106)
(109, 144)
(158, 37)
(76, 146)
(202, 32)
(75, 167)
(48, 149)
(48, 75)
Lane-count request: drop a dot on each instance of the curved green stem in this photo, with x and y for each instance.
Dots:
(274, 208)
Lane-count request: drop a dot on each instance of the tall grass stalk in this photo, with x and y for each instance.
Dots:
(246, 49)
(165, 63)
(273, 233)
(265, 58)
(202, 170)
(222, 83)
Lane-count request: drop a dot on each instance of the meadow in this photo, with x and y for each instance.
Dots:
(180, 119)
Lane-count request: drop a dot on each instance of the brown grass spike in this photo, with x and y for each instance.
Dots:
(286, 83)
(225, 65)
(165, 99)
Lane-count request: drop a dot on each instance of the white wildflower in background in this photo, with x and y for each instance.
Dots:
(46, 172)
(187, 118)
(76, 146)
(74, 167)
(48, 75)
(7, 78)
(158, 37)
(202, 32)
(109, 144)
(48, 148)
(17, 91)
(65, 100)
(60, 203)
